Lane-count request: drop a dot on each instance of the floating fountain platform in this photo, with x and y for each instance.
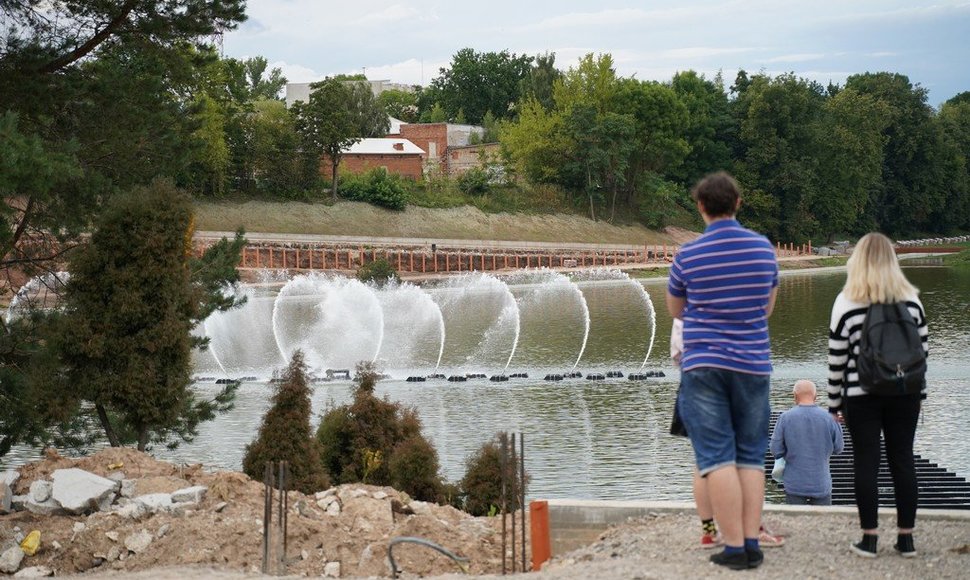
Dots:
(595, 377)
(519, 376)
(499, 378)
(457, 379)
(614, 374)
(416, 379)
(553, 377)
(436, 376)
(646, 375)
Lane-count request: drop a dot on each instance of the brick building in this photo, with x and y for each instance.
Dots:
(397, 156)
(461, 159)
(437, 140)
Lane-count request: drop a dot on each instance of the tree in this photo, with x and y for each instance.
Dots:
(708, 129)
(914, 178)
(539, 83)
(286, 435)
(369, 117)
(275, 150)
(399, 104)
(379, 442)
(779, 121)
(326, 125)
(476, 83)
(850, 160)
(124, 340)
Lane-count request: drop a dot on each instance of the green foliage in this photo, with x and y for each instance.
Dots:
(481, 486)
(379, 272)
(475, 181)
(124, 337)
(539, 83)
(377, 187)
(286, 435)
(399, 104)
(478, 82)
(326, 126)
(354, 436)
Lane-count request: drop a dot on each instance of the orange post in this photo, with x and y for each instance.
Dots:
(539, 526)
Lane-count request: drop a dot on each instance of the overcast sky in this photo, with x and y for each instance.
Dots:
(407, 41)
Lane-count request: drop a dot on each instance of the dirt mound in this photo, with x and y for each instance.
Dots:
(346, 528)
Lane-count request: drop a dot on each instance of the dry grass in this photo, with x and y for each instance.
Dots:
(465, 222)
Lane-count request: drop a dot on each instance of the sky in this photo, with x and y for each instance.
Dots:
(408, 41)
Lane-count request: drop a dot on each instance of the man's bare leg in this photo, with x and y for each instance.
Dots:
(753, 499)
(724, 489)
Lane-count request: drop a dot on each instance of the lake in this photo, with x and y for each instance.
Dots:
(584, 439)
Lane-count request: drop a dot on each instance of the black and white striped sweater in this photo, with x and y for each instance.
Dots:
(845, 332)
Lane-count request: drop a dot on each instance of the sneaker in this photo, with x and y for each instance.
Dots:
(755, 558)
(766, 540)
(738, 561)
(904, 545)
(711, 540)
(866, 548)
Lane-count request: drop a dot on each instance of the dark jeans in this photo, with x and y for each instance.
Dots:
(867, 416)
(795, 499)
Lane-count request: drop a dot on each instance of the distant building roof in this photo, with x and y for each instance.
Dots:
(380, 146)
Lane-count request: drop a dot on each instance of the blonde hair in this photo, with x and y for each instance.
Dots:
(874, 275)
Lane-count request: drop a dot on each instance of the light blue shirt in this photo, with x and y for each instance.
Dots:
(806, 436)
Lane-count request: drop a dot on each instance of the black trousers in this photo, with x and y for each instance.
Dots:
(895, 417)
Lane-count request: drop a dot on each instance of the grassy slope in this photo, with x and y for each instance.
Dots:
(465, 222)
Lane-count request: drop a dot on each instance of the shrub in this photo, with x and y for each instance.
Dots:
(378, 441)
(481, 487)
(380, 272)
(285, 434)
(376, 187)
(475, 181)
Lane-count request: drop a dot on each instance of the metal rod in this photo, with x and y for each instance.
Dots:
(503, 456)
(267, 512)
(522, 491)
(514, 495)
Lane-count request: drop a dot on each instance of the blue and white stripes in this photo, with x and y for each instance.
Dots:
(726, 276)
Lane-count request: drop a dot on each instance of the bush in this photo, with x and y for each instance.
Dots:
(285, 434)
(481, 487)
(376, 187)
(380, 272)
(475, 181)
(376, 441)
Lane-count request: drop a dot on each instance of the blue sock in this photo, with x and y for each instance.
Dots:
(733, 549)
(751, 544)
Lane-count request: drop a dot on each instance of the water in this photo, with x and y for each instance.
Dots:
(606, 439)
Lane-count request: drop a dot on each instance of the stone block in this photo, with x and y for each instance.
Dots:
(80, 491)
(194, 494)
(34, 572)
(10, 560)
(6, 498)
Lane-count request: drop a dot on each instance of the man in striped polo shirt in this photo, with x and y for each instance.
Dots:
(723, 286)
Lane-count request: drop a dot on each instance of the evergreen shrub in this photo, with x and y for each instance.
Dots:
(481, 486)
(376, 441)
(286, 435)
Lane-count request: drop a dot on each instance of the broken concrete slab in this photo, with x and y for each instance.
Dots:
(194, 494)
(80, 491)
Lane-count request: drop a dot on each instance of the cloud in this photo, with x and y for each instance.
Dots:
(696, 52)
(801, 57)
(393, 13)
(410, 72)
(296, 73)
(882, 54)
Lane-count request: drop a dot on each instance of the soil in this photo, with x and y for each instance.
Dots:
(229, 537)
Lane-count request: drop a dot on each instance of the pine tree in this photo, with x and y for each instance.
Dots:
(286, 435)
(124, 340)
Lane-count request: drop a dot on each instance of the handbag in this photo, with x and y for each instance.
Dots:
(676, 425)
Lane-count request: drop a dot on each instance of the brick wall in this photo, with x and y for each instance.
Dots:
(423, 135)
(461, 159)
(406, 165)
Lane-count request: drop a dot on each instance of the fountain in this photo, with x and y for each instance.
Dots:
(453, 329)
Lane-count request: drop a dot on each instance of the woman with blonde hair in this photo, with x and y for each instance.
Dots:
(874, 277)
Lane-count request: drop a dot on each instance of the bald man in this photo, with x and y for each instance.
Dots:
(806, 436)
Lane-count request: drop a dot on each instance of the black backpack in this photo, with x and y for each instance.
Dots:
(891, 360)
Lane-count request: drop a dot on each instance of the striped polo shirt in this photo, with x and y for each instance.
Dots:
(726, 276)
